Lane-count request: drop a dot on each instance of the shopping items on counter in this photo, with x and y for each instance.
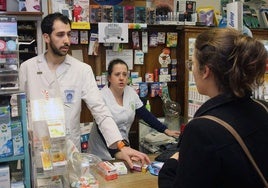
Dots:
(81, 167)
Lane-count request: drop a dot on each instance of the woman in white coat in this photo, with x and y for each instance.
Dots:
(124, 103)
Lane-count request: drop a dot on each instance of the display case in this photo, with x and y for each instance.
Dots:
(29, 35)
(27, 38)
(9, 57)
(28, 32)
(21, 155)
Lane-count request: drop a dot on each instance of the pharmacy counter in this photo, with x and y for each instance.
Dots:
(133, 179)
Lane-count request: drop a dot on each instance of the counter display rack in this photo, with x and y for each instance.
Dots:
(22, 116)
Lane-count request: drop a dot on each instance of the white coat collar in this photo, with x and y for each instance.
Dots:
(42, 65)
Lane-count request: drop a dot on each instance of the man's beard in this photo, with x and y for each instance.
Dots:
(57, 51)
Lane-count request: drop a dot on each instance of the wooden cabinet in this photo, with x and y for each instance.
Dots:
(186, 34)
(150, 63)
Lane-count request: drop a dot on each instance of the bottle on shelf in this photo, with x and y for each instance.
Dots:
(148, 106)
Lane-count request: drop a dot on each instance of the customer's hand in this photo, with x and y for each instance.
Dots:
(129, 155)
(172, 133)
(175, 156)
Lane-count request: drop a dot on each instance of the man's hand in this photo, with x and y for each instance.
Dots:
(129, 155)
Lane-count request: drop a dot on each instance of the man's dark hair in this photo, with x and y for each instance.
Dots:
(48, 21)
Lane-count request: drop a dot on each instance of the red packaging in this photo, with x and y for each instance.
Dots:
(156, 75)
(3, 5)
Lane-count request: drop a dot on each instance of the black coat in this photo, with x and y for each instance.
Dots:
(209, 154)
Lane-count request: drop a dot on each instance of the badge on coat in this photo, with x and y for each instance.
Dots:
(69, 96)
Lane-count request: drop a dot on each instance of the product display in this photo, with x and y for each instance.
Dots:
(9, 57)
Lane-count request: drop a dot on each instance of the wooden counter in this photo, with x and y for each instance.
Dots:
(133, 179)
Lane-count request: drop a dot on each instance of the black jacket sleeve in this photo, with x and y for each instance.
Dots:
(167, 173)
(150, 119)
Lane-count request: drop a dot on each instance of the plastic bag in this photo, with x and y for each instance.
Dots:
(81, 167)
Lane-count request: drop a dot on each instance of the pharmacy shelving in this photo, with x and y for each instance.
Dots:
(22, 114)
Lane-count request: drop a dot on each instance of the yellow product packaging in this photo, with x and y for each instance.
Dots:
(206, 15)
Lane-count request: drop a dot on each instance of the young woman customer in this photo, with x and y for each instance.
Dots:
(227, 66)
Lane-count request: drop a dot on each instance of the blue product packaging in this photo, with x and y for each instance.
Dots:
(6, 146)
(143, 89)
(17, 139)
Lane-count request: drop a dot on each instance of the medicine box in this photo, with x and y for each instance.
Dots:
(120, 168)
(107, 170)
(6, 146)
(18, 184)
(4, 176)
(137, 166)
(5, 114)
(163, 70)
(17, 139)
(164, 78)
(53, 182)
(235, 15)
(136, 80)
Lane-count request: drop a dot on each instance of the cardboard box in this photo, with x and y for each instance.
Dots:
(4, 176)
(107, 170)
(5, 114)
(164, 78)
(17, 139)
(120, 168)
(54, 182)
(6, 145)
(30, 5)
(235, 15)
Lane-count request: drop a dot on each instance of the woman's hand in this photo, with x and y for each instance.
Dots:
(172, 133)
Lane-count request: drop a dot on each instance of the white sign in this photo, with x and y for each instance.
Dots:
(113, 32)
(125, 55)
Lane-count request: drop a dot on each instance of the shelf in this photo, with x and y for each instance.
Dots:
(24, 52)
(13, 13)
(11, 158)
(27, 29)
(7, 93)
(27, 43)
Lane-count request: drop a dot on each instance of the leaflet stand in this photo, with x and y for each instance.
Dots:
(49, 157)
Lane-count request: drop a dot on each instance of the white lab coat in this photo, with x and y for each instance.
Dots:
(75, 81)
(123, 116)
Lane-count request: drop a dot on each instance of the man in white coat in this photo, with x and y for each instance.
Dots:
(57, 74)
